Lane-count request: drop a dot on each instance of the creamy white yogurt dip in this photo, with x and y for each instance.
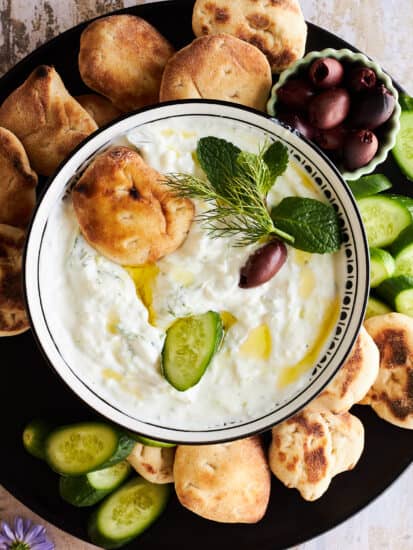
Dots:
(112, 333)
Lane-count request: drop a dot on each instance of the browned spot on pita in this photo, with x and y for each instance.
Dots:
(351, 367)
(258, 21)
(282, 457)
(392, 347)
(403, 407)
(293, 463)
(314, 429)
(221, 15)
(315, 464)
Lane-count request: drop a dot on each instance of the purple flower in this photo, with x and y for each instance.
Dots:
(25, 535)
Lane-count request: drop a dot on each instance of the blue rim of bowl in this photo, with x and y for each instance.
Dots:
(345, 53)
(100, 399)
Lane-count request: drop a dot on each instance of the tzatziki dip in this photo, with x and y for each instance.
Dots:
(109, 321)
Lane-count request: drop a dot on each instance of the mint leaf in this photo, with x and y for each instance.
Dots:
(218, 159)
(313, 224)
(276, 158)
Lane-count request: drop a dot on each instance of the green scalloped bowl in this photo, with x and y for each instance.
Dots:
(387, 142)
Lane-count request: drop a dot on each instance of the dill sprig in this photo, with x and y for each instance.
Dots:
(236, 199)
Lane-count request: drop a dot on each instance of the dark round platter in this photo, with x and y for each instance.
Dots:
(30, 388)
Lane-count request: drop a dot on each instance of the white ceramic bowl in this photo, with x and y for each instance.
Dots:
(352, 280)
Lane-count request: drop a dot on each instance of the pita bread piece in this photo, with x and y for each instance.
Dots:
(17, 181)
(46, 118)
(122, 57)
(13, 319)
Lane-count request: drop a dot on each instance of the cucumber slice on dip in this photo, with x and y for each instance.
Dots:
(81, 448)
(90, 488)
(127, 512)
(190, 345)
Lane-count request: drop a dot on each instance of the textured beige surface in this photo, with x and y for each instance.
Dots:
(381, 28)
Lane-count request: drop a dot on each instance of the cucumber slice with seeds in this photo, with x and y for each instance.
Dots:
(34, 436)
(403, 150)
(398, 293)
(407, 202)
(90, 488)
(376, 307)
(81, 448)
(190, 345)
(369, 185)
(402, 250)
(384, 219)
(382, 266)
(127, 512)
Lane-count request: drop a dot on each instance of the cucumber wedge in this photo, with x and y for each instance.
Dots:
(382, 266)
(82, 448)
(90, 488)
(369, 185)
(403, 150)
(127, 512)
(407, 202)
(384, 219)
(34, 436)
(190, 345)
(376, 307)
(397, 292)
(402, 250)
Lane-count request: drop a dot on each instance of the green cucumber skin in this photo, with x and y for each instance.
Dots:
(405, 133)
(389, 289)
(109, 541)
(404, 240)
(153, 442)
(391, 211)
(34, 437)
(376, 307)
(369, 185)
(166, 367)
(123, 448)
(80, 492)
(382, 266)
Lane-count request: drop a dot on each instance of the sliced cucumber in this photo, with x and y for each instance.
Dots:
(398, 293)
(402, 250)
(126, 513)
(90, 488)
(190, 345)
(34, 436)
(369, 185)
(384, 219)
(403, 150)
(81, 448)
(382, 266)
(407, 202)
(376, 307)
